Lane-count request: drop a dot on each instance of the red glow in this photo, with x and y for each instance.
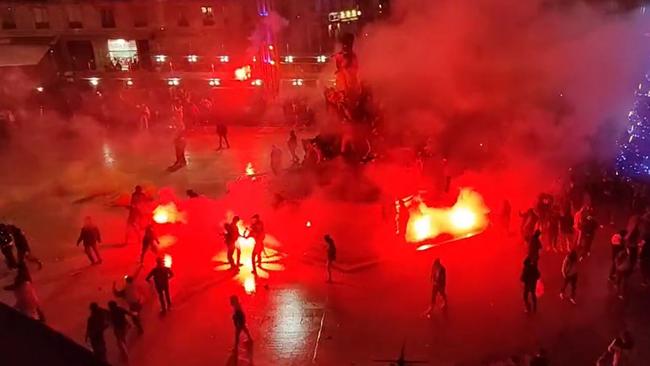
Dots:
(167, 214)
(243, 73)
(308, 224)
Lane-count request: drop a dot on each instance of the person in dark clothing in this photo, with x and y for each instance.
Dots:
(95, 326)
(239, 321)
(231, 234)
(623, 271)
(258, 234)
(90, 237)
(439, 284)
(117, 319)
(23, 250)
(131, 295)
(570, 275)
(222, 132)
(135, 218)
(292, 144)
(535, 245)
(149, 242)
(632, 246)
(179, 147)
(22, 276)
(331, 255)
(161, 276)
(529, 277)
(566, 229)
(588, 229)
(618, 244)
(7, 247)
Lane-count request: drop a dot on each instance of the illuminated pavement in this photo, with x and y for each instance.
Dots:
(295, 317)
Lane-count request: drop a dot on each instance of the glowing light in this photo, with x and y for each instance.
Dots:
(160, 58)
(288, 59)
(167, 261)
(93, 81)
(214, 82)
(271, 47)
(167, 214)
(224, 59)
(466, 217)
(297, 82)
(249, 285)
(308, 224)
(250, 171)
(174, 82)
(192, 58)
(321, 59)
(39, 89)
(129, 82)
(257, 82)
(243, 73)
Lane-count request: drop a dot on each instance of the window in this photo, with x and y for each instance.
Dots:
(8, 18)
(41, 19)
(182, 17)
(74, 16)
(140, 17)
(108, 18)
(208, 15)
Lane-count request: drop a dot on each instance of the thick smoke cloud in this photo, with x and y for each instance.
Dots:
(517, 83)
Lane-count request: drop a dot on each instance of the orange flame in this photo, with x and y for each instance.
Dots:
(250, 171)
(167, 261)
(167, 214)
(243, 73)
(466, 217)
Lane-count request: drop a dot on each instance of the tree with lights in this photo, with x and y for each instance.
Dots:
(634, 147)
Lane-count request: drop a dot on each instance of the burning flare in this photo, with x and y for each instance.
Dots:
(243, 73)
(466, 217)
(250, 171)
(167, 214)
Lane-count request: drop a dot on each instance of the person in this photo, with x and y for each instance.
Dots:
(276, 160)
(95, 326)
(134, 221)
(258, 234)
(117, 319)
(292, 144)
(570, 275)
(222, 132)
(588, 228)
(617, 245)
(529, 277)
(535, 245)
(623, 270)
(149, 241)
(239, 321)
(540, 359)
(7, 247)
(179, 147)
(133, 298)
(145, 116)
(644, 260)
(615, 353)
(331, 255)
(553, 228)
(90, 237)
(161, 276)
(566, 228)
(23, 250)
(632, 245)
(231, 234)
(529, 221)
(439, 280)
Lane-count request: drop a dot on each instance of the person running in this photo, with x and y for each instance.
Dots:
(117, 319)
(617, 245)
(133, 298)
(161, 276)
(529, 277)
(258, 234)
(292, 144)
(231, 235)
(149, 242)
(239, 321)
(439, 282)
(570, 275)
(90, 237)
(23, 250)
(331, 255)
(95, 326)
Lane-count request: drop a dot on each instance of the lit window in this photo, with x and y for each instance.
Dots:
(41, 18)
(288, 59)
(321, 59)
(160, 58)
(192, 58)
(224, 59)
(214, 82)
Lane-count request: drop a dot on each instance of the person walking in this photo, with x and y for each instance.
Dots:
(133, 298)
(222, 133)
(90, 237)
(161, 276)
(331, 255)
(231, 236)
(117, 318)
(439, 285)
(239, 321)
(258, 234)
(95, 326)
(529, 277)
(570, 275)
(149, 242)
